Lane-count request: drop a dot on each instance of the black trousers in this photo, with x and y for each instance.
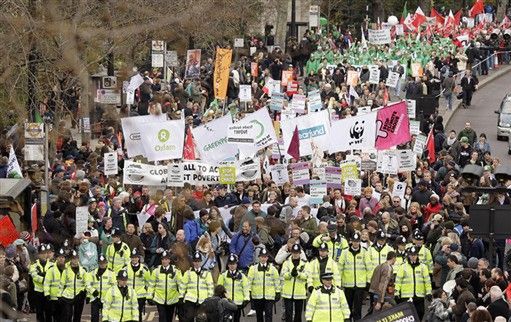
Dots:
(263, 307)
(298, 308)
(188, 311)
(237, 315)
(467, 97)
(55, 309)
(42, 307)
(95, 308)
(72, 309)
(141, 308)
(418, 302)
(165, 312)
(355, 297)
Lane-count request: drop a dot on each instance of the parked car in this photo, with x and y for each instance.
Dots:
(504, 119)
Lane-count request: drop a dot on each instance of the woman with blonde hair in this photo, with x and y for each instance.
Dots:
(414, 214)
(205, 248)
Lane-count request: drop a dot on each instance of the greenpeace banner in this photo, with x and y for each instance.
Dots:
(402, 312)
(164, 140)
(263, 131)
(312, 128)
(132, 127)
(221, 75)
(211, 140)
(353, 133)
(392, 126)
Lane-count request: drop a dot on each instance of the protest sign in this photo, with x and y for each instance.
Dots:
(402, 312)
(221, 73)
(193, 59)
(333, 177)
(356, 132)
(349, 170)
(300, 173)
(164, 140)
(353, 187)
(416, 69)
(287, 76)
(392, 126)
(82, 219)
(388, 162)
(227, 174)
(248, 170)
(108, 96)
(245, 94)
(420, 144)
(407, 160)
(368, 160)
(34, 142)
(392, 79)
(157, 60)
(264, 128)
(313, 128)
(142, 219)
(175, 175)
(286, 114)
(352, 78)
(315, 103)
(252, 50)
(171, 58)
(318, 173)
(378, 36)
(254, 69)
(241, 134)
(273, 86)
(279, 174)
(277, 101)
(132, 128)
(298, 103)
(144, 174)
(399, 189)
(415, 127)
(411, 108)
(135, 82)
(211, 140)
(8, 232)
(239, 43)
(317, 190)
(400, 31)
(374, 74)
(110, 164)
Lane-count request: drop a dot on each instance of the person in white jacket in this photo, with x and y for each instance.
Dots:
(285, 251)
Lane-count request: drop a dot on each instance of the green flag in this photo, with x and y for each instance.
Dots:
(404, 14)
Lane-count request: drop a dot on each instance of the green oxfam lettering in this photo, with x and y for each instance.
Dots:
(163, 135)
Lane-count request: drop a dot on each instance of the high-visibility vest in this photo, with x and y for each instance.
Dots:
(400, 259)
(314, 273)
(328, 306)
(117, 259)
(238, 289)
(35, 270)
(101, 284)
(72, 284)
(52, 282)
(335, 248)
(196, 286)
(353, 268)
(376, 256)
(412, 280)
(264, 284)
(118, 308)
(164, 288)
(139, 280)
(294, 287)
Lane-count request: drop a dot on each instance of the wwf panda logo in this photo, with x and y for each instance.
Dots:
(357, 130)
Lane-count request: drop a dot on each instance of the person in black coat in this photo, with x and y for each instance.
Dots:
(469, 85)
(498, 305)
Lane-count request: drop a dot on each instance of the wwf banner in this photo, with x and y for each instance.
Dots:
(353, 133)
(404, 312)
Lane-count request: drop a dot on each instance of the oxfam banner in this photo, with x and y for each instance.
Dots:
(163, 140)
(211, 140)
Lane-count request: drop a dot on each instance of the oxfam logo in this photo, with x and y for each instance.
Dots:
(163, 135)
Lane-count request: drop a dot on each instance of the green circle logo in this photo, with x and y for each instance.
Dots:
(163, 135)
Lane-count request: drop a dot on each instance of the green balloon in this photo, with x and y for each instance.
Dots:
(323, 21)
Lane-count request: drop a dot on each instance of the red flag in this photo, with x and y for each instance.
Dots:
(294, 146)
(438, 17)
(189, 148)
(430, 145)
(418, 18)
(457, 18)
(33, 218)
(476, 9)
(8, 232)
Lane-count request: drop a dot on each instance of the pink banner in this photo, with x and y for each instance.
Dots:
(392, 126)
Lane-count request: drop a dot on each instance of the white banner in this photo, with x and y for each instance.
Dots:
(313, 128)
(374, 74)
(279, 174)
(132, 127)
(110, 164)
(264, 128)
(211, 140)
(164, 140)
(248, 170)
(200, 173)
(392, 79)
(407, 160)
(379, 36)
(353, 133)
(245, 94)
(353, 187)
(399, 189)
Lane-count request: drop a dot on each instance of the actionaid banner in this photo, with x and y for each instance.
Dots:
(264, 134)
(313, 128)
(132, 129)
(353, 133)
(164, 140)
(211, 140)
(392, 126)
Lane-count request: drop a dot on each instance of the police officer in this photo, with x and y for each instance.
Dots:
(424, 252)
(400, 251)
(99, 281)
(412, 281)
(139, 278)
(265, 286)
(37, 272)
(327, 303)
(322, 264)
(120, 303)
(197, 285)
(354, 277)
(73, 285)
(294, 288)
(117, 253)
(236, 285)
(377, 252)
(164, 288)
(336, 242)
(52, 286)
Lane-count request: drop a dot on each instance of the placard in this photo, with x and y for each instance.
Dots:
(273, 86)
(300, 173)
(315, 103)
(411, 108)
(402, 312)
(352, 78)
(349, 170)
(110, 164)
(298, 103)
(392, 79)
(171, 58)
(400, 31)
(86, 124)
(317, 191)
(318, 173)
(388, 162)
(175, 175)
(420, 144)
(374, 74)
(245, 94)
(415, 127)
(399, 189)
(378, 36)
(279, 174)
(333, 177)
(82, 219)
(407, 160)
(248, 169)
(416, 69)
(353, 187)
(277, 100)
(227, 174)
(157, 60)
(108, 96)
(239, 43)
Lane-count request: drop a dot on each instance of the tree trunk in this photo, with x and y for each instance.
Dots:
(378, 10)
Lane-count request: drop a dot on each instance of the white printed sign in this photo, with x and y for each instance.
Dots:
(279, 174)
(108, 96)
(392, 79)
(410, 106)
(175, 175)
(110, 164)
(415, 127)
(298, 103)
(374, 74)
(399, 189)
(353, 187)
(379, 36)
(157, 60)
(407, 160)
(82, 219)
(239, 43)
(420, 144)
(317, 191)
(245, 94)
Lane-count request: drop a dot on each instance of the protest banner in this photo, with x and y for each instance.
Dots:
(164, 140)
(132, 128)
(333, 177)
(221, 73)
(392, 126)
(144, 174)
(8, 232)
(13, 166)
(227, 174)
(300, 173)
(265, 132)
(392, 79)
(314, 103)
(279, 174)
(352, 78)
(110, 164)
(82, 219)
(200, 173)
(317, 191)
(420, 144)
(171, 58)
(357, 132)
(248, 169)
(415, 127)
(211, 140)
(388, 162)
(175, 175)
(407, 160)
(411, 108)
(374, 74)
(312, 129)
(319, 173)
(416, 69)
(402, 312)
(378, 36)
(399, 189)
(241, 134)
(277, 101)
(287, 76)
(298, 103)
(193, 59)
(353, 187)
(245, 94)
(349, 170)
